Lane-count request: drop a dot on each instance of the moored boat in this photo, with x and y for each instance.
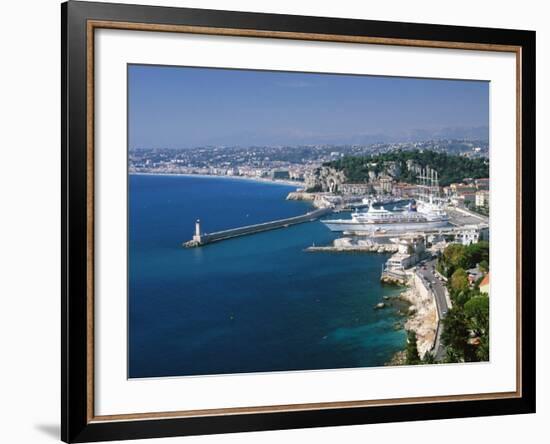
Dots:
(424, 216)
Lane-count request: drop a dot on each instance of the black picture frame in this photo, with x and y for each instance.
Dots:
(76, 423)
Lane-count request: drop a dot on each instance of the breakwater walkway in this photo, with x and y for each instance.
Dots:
(200, 239)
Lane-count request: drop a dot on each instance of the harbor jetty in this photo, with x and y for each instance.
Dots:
(200, 239)
(356, 244)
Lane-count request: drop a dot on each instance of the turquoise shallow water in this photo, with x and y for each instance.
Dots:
(252, 304)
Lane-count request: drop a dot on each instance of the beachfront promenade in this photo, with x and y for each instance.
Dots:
(200, 239)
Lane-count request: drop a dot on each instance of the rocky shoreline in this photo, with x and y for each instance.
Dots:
(301, 195)
(422, 319)
(420, 310)
(316, 199)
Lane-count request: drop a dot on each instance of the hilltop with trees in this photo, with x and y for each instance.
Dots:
(405, 166)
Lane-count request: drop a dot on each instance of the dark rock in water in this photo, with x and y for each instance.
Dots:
(400, 358)
(388, 280)
(386, 298)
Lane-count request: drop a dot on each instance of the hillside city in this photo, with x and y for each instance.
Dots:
(440, 253)
(383, 169)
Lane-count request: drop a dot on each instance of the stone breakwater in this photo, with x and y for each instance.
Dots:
(208, 238)
(346, 244)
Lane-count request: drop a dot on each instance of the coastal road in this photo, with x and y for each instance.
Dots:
(427, 273)
(460, 217)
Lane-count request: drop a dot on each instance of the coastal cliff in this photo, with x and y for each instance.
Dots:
(301, 195)
(325, 178)
(317, 200)
(423, 315)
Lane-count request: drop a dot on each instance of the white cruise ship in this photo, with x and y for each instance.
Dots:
(424, 217)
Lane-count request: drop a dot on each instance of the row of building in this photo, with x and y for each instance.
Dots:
(382, 185)
(174, 167)
(471, 191)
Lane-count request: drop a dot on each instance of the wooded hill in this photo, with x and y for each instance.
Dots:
(404, 166)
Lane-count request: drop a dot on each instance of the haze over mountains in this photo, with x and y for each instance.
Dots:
(298, 138)
(413, 135)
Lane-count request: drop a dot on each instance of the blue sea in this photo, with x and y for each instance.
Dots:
(258, 303)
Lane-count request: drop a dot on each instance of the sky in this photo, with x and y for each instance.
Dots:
(183, 107)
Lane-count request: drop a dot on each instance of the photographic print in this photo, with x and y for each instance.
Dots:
(289, 221)
(272, 221)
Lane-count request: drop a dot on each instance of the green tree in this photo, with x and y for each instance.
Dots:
(428, 358)
(470, 313)
(484, 266)
(459, 281)
(461, 297)
(455, 333)
(460, 256)
(482, 350)
(477, 313)
(440, 267)
(412, 350)
(477, 253)
(451, 356)
(454, 257)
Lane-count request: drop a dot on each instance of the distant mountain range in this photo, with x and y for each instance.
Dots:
(416, 135)
(472, 133)
(300, 138)
(305, 138)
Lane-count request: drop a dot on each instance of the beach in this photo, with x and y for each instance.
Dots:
(265, 180)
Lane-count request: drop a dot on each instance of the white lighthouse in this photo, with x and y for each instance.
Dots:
(197, 237)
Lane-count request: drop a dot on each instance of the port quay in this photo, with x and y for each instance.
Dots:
(201, 239)
(463, 223)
